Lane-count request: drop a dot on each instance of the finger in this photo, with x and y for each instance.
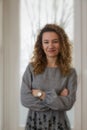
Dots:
(65, 90)
(64, 93)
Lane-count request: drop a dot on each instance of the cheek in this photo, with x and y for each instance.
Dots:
(58, 46)
(44, 47)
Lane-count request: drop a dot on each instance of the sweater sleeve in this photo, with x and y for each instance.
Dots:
(63, 103)
(27, 99)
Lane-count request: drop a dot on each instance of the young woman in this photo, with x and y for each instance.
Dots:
(49, 82)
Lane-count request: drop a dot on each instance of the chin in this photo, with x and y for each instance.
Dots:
(51, 55)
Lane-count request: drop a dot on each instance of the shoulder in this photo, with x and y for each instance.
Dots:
(29, 67)
(73, 72)
(28, 70)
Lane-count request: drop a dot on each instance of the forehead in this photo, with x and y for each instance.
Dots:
(50, 35)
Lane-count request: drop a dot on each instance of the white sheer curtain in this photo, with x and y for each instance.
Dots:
(33, 16)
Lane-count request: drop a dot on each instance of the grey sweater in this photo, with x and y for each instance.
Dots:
(52, 82)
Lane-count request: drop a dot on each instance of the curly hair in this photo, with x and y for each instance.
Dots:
(64, 58)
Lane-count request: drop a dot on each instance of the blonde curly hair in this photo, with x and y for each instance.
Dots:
(64, 59)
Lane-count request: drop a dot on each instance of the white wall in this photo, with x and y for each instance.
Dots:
(81, 62)
(11, 64)
(1, 67)
(84, 64)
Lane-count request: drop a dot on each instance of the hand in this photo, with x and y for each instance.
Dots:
(43, 95)
(35, 91)
(64, 92)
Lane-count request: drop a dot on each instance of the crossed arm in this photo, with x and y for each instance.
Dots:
(64, 101)
(64, 92)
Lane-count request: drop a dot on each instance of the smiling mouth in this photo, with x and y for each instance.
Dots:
(51, 50)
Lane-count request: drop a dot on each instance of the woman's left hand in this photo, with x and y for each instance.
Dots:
(64, 92)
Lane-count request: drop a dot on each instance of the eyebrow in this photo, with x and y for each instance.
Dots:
(55, 39)
(52, 40)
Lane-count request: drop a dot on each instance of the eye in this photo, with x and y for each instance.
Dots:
(45, 42)
(56, 41)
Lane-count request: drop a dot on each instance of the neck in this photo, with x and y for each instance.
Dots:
(51, 61)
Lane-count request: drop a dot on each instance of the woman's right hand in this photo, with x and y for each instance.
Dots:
(64, 92)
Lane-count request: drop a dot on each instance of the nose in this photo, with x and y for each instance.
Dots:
(50, 45)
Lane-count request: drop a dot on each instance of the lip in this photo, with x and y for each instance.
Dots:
(51, 50)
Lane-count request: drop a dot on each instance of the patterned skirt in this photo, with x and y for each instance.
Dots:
(47, 120)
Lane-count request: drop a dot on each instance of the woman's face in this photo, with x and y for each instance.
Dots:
(50, 44)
